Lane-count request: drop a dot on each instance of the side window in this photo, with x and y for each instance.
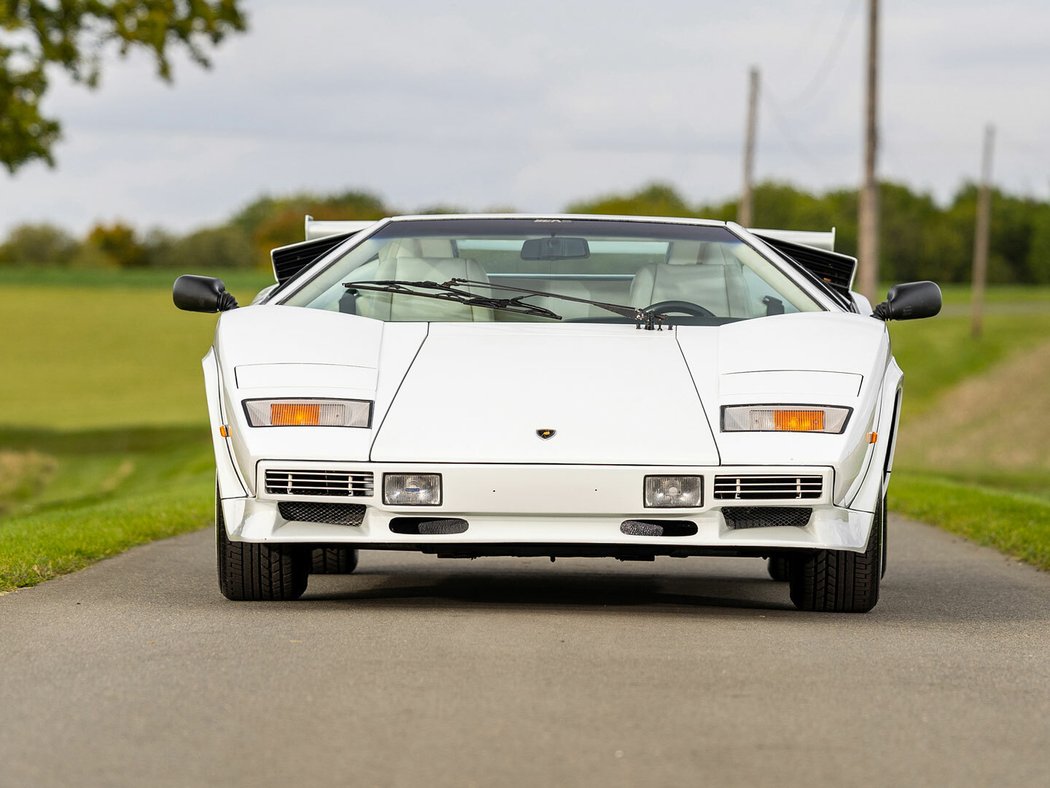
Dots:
(757, 290)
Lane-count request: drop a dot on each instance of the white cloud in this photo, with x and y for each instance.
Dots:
(535, 105)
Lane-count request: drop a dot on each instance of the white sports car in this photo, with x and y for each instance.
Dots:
(555, 386)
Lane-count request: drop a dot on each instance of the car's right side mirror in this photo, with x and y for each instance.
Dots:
(910, 301)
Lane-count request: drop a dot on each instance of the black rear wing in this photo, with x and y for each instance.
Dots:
(835, 271)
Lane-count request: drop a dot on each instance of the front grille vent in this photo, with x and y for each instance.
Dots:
(655, 528)
(328, 513)
(424, 526)
(321, 482)
(766, 516)
(768, 488)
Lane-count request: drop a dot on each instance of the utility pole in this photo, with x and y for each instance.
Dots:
(744, 213)
(868, 219)
(980, 236)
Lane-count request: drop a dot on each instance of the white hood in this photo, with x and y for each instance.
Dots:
(613, 395)
(479, 392)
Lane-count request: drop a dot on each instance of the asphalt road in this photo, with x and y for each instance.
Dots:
(421, 671)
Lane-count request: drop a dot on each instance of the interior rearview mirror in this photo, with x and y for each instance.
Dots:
(555, 248)
(201, 294)
(910, 301)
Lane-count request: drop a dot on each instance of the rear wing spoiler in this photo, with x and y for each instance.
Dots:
(835, 271)
(321, 238)
(818, 240)
(314, 228)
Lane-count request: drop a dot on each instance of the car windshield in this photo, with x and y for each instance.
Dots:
(690, 273)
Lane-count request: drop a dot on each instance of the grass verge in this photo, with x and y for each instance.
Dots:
(1013, 523)
(939, 354)
(109, 490)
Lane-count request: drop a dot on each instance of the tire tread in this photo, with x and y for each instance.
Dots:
(332, 560)
(258, 572)
(840, 581)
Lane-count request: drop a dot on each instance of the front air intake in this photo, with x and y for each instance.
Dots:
(779, 487)
(351, 484)
(290, 260)
(428, 526)
(766, 516)
(656, 528)
(327, 513)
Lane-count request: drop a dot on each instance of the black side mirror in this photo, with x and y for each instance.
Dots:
(910, 302)
(201, 294)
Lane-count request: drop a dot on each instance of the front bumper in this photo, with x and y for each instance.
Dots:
(522, 509)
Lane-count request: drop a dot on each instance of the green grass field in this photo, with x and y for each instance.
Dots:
(974, 452)
(103, 429)
(104, 444)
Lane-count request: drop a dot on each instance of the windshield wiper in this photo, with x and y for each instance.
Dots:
(447, 292)
(643, 318)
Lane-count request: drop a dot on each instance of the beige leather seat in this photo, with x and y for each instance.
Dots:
(422, 260)
(696, 272)
(570, 310)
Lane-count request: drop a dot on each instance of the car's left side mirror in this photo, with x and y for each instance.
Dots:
(910, 301)
(202, 294)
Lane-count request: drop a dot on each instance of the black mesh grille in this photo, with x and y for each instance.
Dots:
(765, 516)
(427, 527)
(653, 528)
(319, 482)
(768, 488)
(329, 513)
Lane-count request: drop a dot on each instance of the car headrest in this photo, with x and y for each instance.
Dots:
(419, 247)
(683, 253)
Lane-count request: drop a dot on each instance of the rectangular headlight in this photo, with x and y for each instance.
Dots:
(412, 489)
(308, 412)
(784, 418)
(668, 491)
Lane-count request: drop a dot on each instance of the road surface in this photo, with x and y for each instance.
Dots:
(423, 671)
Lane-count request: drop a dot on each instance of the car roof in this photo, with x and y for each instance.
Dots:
(560, 217)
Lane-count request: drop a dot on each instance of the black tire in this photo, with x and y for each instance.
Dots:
(333, 560)
(839, 581)
(779, 568)
(258, 572)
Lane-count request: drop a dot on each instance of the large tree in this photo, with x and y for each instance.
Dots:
(38, 37)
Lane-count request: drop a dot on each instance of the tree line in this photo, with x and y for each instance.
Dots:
(920, 239)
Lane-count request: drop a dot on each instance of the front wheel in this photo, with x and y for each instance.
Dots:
(779, 568)
(258, 572)
(332, 560)
(839, 581)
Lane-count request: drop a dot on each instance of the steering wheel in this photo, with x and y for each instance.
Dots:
(688, 307)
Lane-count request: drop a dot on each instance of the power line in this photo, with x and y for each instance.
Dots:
(816, 83)
(785, 129)
(813, 87)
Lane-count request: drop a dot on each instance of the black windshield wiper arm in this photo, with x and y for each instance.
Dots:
(447, 292)
(643, 317)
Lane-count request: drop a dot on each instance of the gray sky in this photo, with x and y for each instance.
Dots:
(485, 104)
